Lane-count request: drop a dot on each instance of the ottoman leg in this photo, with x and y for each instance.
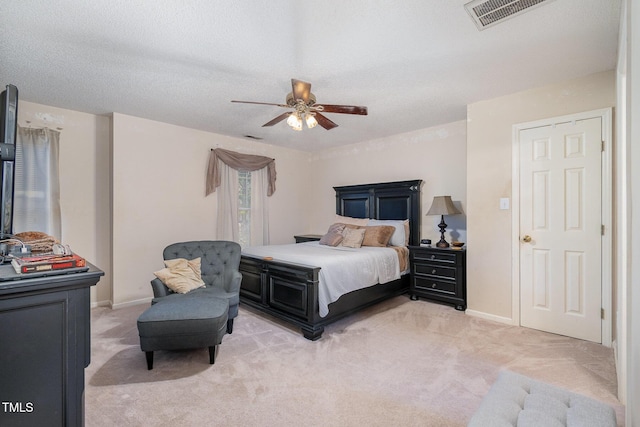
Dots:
(149, 355)
(230, 326)
(213, 351)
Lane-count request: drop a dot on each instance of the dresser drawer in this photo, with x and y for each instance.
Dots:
(433, 285)
(435, 256)
(436, 270)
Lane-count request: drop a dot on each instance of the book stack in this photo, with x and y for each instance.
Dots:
(48, 262)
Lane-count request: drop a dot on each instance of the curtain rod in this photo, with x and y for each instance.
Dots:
(28, 122)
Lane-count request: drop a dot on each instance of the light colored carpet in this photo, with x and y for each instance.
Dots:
(402, 362)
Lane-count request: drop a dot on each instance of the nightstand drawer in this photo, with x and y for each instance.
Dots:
(432, 285)
(434, 256)
(435, 270)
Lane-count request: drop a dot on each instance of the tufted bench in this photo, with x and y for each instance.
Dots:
(515, 400)
(183, 323)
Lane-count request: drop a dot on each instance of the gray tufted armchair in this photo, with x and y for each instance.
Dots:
(220, 261)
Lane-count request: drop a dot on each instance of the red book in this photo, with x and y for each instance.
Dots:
(34, 264)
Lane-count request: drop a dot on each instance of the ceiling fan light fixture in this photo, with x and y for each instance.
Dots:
(294, 121)
(310, 120)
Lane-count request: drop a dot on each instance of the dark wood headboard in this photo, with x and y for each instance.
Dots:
(384, 200)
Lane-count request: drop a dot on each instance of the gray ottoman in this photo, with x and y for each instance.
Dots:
(183, 323)
(516, 400)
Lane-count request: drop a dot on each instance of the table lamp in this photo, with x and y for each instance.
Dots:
(442, 205)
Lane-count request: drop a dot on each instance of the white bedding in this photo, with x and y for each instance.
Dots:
(342, 269)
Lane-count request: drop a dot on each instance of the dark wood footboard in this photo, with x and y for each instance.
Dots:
(290, 292)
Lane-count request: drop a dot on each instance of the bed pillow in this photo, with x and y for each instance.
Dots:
(401, 234)
(378, 235)
(181, 275)
(353, 237)
(334, 236)
(349, 220)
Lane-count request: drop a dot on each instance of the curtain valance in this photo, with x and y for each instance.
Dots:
(241, 162)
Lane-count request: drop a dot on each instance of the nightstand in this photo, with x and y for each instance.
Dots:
(439, 274)
(307, 238)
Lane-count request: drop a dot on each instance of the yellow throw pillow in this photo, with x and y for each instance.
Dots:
(181, 275)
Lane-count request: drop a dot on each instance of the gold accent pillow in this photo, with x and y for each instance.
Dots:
(353, 237)
(181, 275)
(378, 235)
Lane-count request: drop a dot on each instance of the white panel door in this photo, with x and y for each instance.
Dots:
(560, 228)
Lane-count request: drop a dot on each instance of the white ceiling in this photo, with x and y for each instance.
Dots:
(413, 63)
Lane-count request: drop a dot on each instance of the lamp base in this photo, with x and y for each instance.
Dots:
(442, 243)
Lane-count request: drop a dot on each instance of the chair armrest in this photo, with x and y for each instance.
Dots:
(234, 285)
(159, 288)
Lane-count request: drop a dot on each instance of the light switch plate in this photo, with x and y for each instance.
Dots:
(504, 203)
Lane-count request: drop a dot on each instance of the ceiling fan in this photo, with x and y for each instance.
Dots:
(304, 106)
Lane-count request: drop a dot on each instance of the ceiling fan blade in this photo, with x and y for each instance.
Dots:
(278, 119)
(325, 122)
(344, 109)
(262, 103)
(301, 90)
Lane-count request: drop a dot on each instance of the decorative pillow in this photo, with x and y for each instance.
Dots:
(331, 239)
(349, 220)
(334, 235)
(353, 237)
(378, 235)
(400, 236)
(181, 275)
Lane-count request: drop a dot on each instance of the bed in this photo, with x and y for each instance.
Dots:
(289, 290)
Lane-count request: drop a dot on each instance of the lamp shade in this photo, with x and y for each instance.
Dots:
(442, 205)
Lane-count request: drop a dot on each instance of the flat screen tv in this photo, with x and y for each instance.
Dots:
(8, 129)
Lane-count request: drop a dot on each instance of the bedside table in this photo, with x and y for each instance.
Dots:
(307, 238)
(439, 274)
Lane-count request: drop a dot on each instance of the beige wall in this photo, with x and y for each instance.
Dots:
(489, 142)
(84, 182)
(159, 196)
(436, 155)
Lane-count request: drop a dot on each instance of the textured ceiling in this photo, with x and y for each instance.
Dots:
(413, 63)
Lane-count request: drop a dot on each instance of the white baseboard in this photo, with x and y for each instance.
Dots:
(106, 303)
(132, 303)
(492, 317)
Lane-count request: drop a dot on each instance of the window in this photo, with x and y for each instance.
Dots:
(244, 207)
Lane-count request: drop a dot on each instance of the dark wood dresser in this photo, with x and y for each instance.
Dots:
(439, 274)
(44, 346)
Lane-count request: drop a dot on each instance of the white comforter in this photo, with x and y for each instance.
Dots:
(342, 269)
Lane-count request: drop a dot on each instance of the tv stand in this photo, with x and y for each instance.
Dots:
(45, 339)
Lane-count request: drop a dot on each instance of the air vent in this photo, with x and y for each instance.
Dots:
(486, 13)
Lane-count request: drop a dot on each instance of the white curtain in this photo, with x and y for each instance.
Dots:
(37, 185)
(259, 211)
(227, 223)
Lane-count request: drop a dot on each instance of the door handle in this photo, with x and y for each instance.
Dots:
(526, 238)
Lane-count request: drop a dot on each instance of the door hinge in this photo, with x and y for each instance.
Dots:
(602, 229)
(602, 145)
(602, 313)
